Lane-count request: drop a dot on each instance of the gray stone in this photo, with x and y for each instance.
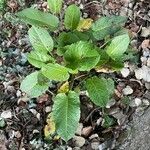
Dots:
(79, 129)
(145, 32)
(127, 90)
(95, 145)
(79, 141)
(138, 138)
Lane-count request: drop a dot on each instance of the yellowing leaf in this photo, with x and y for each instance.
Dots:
(64, 88)
(50, 129)
(84, 24)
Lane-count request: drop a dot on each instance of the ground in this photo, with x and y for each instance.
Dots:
(22, 120)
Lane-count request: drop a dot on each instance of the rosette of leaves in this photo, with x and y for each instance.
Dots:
(78, 47)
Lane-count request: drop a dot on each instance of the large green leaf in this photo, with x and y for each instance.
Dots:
(55, 6)
(38, 18)
(66, 113)
(40, 39)
(107, 25)
(32, 87)
(118, 46)
(81, 55)
(55, 72)
(38, 59)
(100, 90)
(70, 38)
(72, 17)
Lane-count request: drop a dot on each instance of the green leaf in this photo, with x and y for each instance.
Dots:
(81, 55)
(107, 25)
(40, 39)
(100, 90)
(70, 38)
(108, 121)
(38, 18)
(118, 46)
(55, 6)
(55, 72)
(31, 86)
(38, 59)
(72, 17)
(66, 113)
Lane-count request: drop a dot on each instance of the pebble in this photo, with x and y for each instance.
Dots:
(86, 131)
(139, 74)
(127, 90)
(145, 32)
(79, 141)
(147, 85)
(69, 148)
(93, 136)
(48, 109)
(145, 44)
(76, 148)
(6, 114)
(125, 72)
(138, 101)
(148, 62)
(110, 103)
(95, 145)
(146, 102)
(79, 129)
(2, 122)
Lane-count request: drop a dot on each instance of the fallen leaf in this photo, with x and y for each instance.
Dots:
(84, 24)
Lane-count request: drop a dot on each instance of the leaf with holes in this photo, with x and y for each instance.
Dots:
(66, 114)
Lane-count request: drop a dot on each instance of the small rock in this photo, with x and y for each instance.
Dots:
(17, 134)
(34, 112)
(6, 114)
(145, 32)
(138, 101)
(87, 131)
(35, 131)
(18, 93)
(2, 122)
(125, 72)
(95, 145)
(76, 148)
(48, 109)
(69, 148)
(147, 85)
(146, 102)
(146, 73)
(93, 136)
(145, 44)
(139, 74)
(148, 62)
(79, 129)
(127, 90)
(79, 141)
(110, 103)
(38, 116)
(102, 146)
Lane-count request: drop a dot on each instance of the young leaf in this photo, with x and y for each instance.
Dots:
(72, 17)
(40, 39)
(118, 46)
(55, 6)
(100, 90)
(68, 39)
(107, 25)
(81, 55)
(55, 72)
(66, 113)
(38, 18)
(108, 121)
(38, 59)
(31, 86)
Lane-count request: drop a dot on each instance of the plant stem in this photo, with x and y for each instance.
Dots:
(72, 81)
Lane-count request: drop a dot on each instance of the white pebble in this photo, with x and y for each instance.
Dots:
(6, 114)
(127, 90)
(138, 101)
(125, 72)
